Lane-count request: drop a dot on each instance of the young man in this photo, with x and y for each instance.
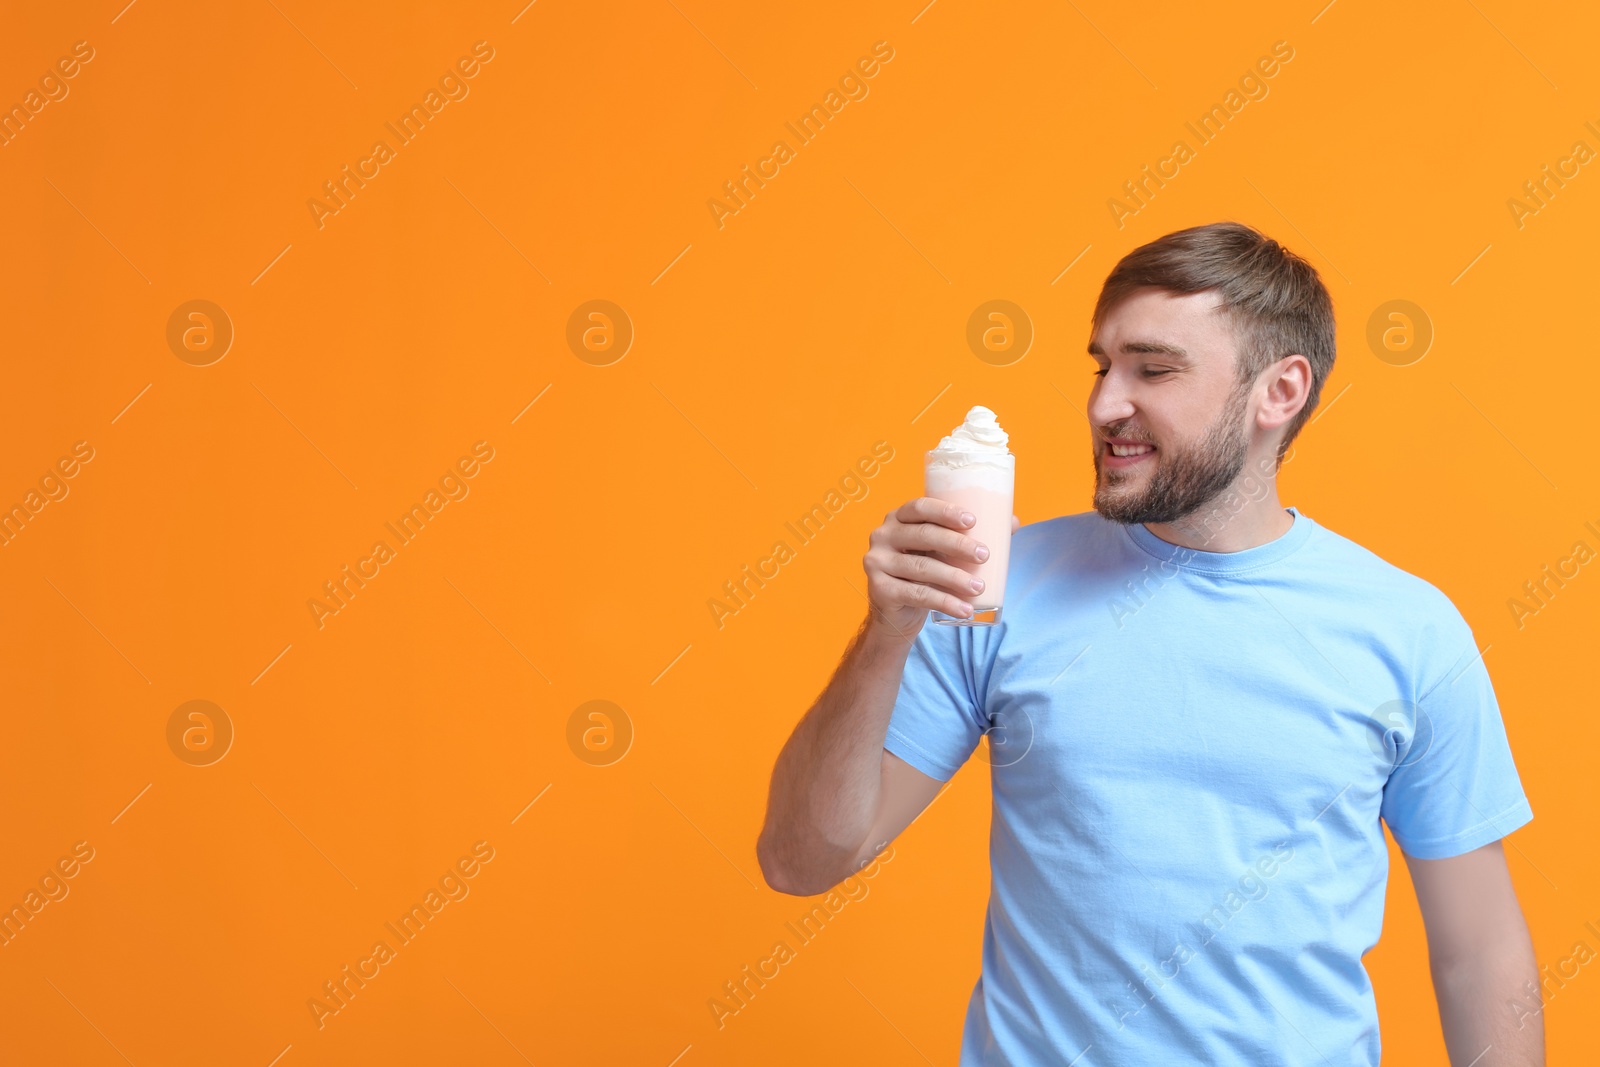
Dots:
(1200, 704)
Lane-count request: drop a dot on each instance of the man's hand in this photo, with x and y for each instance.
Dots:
(906, 578)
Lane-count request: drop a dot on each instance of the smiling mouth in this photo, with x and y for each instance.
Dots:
(1115, 457)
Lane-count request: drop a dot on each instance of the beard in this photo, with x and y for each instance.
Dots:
(1185, 479)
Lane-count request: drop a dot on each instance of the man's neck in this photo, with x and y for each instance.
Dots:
(1214, 528)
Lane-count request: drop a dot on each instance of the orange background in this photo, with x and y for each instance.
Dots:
(770, 354)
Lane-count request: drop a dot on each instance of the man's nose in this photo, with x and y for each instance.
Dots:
(1109, 402)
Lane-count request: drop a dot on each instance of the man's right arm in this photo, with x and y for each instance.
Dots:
(837, 796)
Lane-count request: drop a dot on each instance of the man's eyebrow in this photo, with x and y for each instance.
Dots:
(1158, 348)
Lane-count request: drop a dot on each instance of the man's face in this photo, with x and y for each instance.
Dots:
(1166, 379)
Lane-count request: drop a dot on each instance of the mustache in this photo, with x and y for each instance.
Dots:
(1103, 435)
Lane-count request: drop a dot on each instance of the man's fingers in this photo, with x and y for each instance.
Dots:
(912, 567)
(931, 537)
(931, 509)
(893, 593)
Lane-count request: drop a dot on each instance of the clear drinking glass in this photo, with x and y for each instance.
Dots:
(983, 483)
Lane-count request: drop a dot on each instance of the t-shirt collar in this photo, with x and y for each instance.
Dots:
(1248, 559)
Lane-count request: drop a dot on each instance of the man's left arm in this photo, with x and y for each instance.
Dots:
(1481, 958)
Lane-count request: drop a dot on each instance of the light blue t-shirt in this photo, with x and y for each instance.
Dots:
(1190, 754)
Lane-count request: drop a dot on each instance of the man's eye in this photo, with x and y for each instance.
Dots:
(1099, 374)
(1155, 373)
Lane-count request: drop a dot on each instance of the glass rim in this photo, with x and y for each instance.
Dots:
(962, 452)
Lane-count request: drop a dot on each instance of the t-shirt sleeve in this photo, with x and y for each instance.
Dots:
(1454, 786)
(938, 715)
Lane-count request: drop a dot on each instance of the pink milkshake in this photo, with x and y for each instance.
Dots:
(973, 468)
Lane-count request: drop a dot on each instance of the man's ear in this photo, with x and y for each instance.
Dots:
(1288, 386)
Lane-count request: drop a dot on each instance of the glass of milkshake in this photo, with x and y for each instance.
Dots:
(973, 468)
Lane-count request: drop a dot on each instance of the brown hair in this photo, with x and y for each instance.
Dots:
(1275, 299)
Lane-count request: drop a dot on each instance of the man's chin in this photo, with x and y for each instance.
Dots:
(1114, 509)
(1115, 496)
(1129, 507)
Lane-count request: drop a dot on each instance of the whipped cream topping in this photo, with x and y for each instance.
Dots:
(980, 433)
